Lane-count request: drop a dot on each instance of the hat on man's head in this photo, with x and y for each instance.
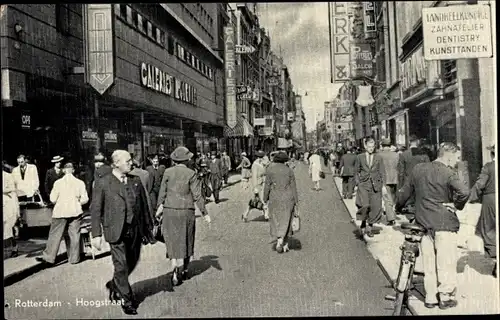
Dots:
(281, 157)
(244, 154)
(57, 159)
(386, 142)
(181, 154)
(260, 154)
(99, 158)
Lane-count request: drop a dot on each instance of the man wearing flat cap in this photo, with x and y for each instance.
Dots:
(390, 160)
(53, 174)
(68, 194)
(484, 191)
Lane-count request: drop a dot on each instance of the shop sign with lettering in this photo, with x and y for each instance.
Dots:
(362, 60)
(110, 136)
(369, 19)
(413, 71)
(89, 135)
(25, 120)
(230, 69)
(185, 92)
(155, 79)
(341, 41)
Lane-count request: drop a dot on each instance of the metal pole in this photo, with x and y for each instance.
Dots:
(330, 40)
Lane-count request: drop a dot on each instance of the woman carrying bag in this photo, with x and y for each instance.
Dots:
(280, 194)
(180, 190)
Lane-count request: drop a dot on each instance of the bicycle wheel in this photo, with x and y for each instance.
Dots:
(398, 304)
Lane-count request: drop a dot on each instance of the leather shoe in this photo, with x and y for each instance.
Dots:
(130, 310)
(430, 305)
(44, 262)
(447, 304)
(391, 223)
(112, 294)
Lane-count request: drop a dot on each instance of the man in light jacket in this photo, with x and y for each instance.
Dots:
(26, 178)
(68, 195)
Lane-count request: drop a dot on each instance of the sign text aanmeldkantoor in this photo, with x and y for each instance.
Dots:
(99, 46)
(159, 81)
(457, 32)
(341, 38)
(229, 66)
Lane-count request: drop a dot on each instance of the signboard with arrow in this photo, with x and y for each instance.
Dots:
(243, 49)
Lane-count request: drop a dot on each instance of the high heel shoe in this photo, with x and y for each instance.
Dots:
(286, 248)
(245, 219)
(279, 246)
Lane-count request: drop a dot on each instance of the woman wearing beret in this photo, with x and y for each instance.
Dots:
(280, 194)
(180, 190)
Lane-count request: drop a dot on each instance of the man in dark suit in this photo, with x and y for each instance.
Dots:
(407, 160)
(53, 174)
(347, 163)
(119, 204)
(369, 176)
(156, 171)
(438, 192)
(216, 171)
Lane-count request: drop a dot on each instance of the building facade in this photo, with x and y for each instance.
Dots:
(42, 80)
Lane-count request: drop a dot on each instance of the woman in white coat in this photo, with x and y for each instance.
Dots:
(315, 169)
(10, 212)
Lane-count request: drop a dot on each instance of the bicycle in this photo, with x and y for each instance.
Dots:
(409, 253)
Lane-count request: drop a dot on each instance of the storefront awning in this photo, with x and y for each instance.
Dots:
(242, 129)
(397, 114)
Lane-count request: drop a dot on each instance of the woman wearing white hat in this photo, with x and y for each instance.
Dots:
(53, 174)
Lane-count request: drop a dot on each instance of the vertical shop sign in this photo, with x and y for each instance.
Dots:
(361, 60)
(99, 46)
(369, 19)
(229, 66)
(341, 41)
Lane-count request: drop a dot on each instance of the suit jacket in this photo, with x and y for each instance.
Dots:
(146, 182)
(181, 189)
(390, 159)
(50, 178)
(68, 194)
(485, 183)
(156, 175)
(215, 168)
(280, 186)
(407, 160)
(348, 163)
(109, 208)
(433, 184)
(102, 171)
(30, 184)
(370, 176)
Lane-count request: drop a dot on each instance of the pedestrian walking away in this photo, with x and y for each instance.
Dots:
(280, 194)
(369, 176)
(258, 178)
(11, 212)
(119, 204)
(438, 193)
(409, 159)
(484, 191)
(390, 159)
(180, 191)
(245, 166)
(347, 168)
(315, 169)
(226, 167)
(53, 174)
(156, 171)
(215, 175)
(68, 195)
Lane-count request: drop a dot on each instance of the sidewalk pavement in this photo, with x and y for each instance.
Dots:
(24, 265)
(477, 291)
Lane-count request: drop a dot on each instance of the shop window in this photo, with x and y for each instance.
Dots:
(171, 45)
(63, 21)
(150, 29)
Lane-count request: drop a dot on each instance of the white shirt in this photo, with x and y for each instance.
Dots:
(68, 194)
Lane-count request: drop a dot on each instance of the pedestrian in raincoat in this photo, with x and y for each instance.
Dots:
(258, 178)
(315, 169)
(280, 195)
(484, 191)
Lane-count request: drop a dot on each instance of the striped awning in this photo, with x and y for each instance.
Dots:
(242, 129)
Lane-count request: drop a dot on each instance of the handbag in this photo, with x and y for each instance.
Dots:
(36, 213)
(157, 235)
(256, 203)
(295, 224)
(322, 175)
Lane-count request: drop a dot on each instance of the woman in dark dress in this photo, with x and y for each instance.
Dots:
(280, 194)
(484, 191)
(180, 190)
